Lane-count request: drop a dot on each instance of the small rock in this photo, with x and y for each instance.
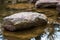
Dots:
(33, 1)
(58, 18)
(24, 20)
(45, 3)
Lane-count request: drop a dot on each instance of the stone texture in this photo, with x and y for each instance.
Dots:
(33, 1)
(45, 3)
(58, 8)
(24, 20)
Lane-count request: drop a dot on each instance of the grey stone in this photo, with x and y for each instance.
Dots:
(45, 3)
(24, 20)
(33, 1)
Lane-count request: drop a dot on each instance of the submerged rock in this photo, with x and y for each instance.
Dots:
(45, 3)
(23, 20)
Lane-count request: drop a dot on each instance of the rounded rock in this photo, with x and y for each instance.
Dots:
(24, 20)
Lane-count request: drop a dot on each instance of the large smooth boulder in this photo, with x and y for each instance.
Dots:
(24, 20)
(46, 3)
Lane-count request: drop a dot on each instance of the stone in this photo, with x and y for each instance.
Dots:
(33, 1)
(24, 20)
(45, 3)
(22, 1)
(58, 8)
(58, 18)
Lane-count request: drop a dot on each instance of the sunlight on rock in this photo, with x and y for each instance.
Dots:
(25, 20)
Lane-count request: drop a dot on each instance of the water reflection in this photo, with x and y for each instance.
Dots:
(57, 32)
(1, 32)
(48, 36)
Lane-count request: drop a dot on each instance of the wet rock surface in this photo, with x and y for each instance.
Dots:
(58, 9)
(47, 3)
(33, 1)
(24, 20)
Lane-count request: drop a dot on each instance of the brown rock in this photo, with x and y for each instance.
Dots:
(44, 4)
(58, 9)
(24, 20)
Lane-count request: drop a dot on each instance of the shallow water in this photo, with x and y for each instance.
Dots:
(46, 36)
(1, 33)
